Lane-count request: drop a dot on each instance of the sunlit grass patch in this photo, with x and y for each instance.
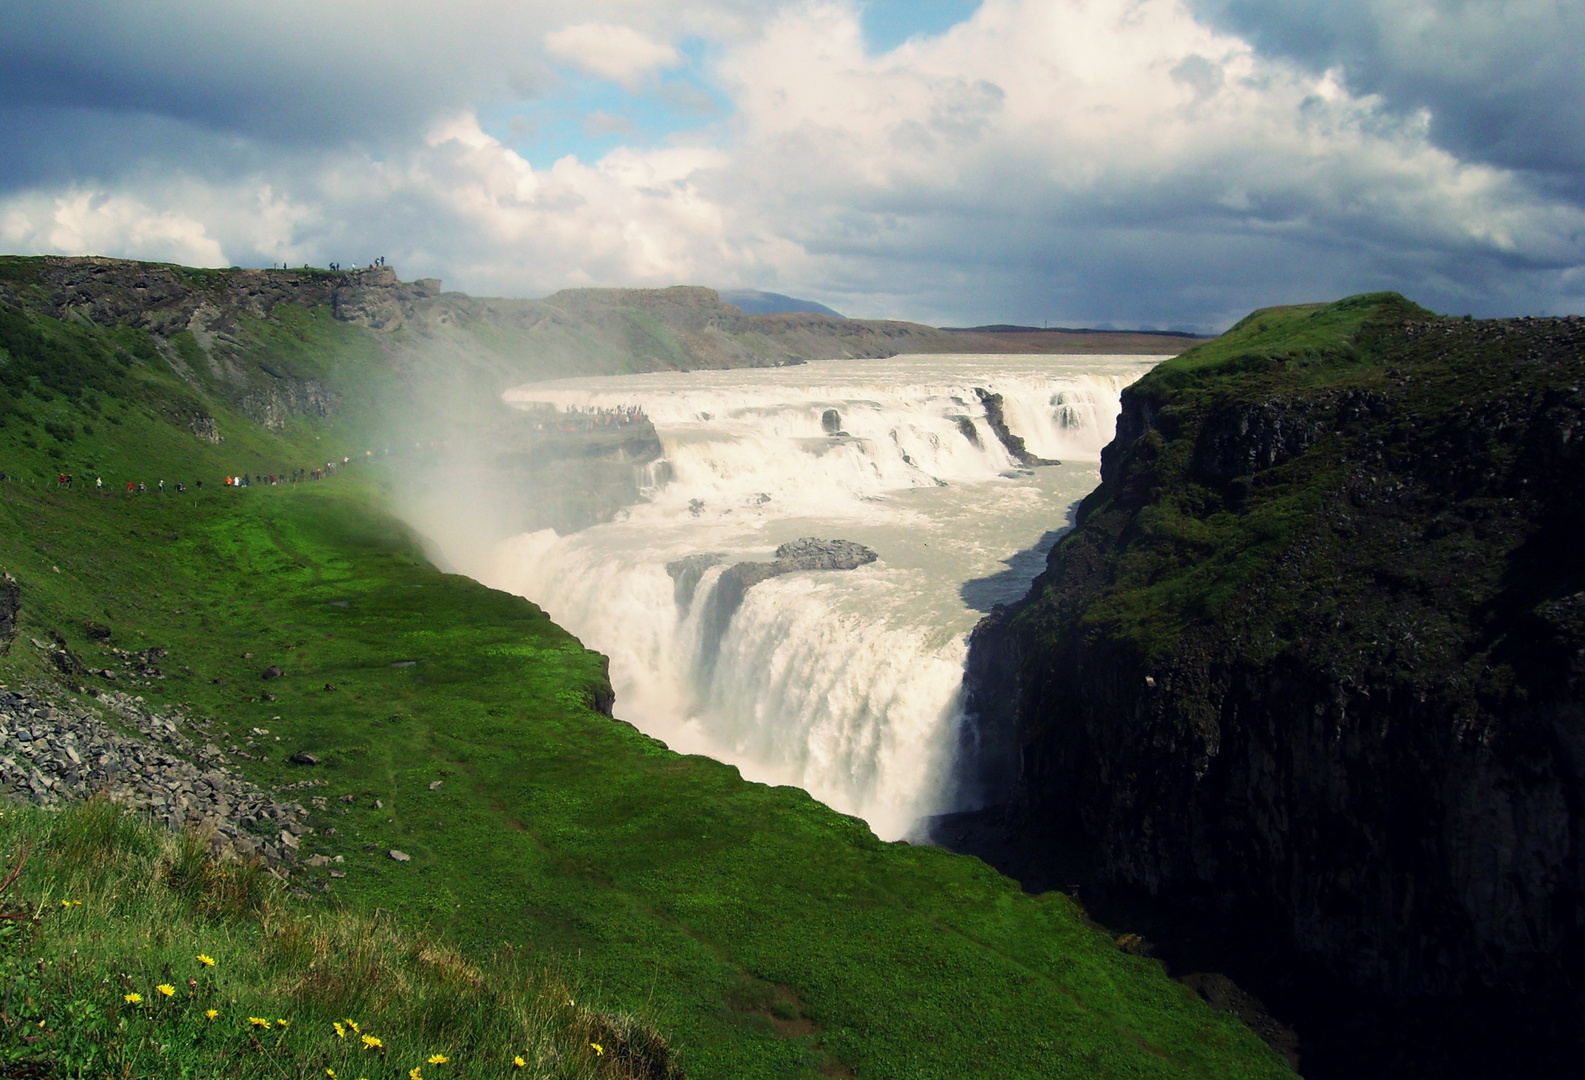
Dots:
(128, 952)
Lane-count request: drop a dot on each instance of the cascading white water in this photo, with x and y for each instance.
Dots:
(845, 683)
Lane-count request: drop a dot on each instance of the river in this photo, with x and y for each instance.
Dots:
(843, 683)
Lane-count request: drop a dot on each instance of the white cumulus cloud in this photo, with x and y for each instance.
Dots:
(93, 222)
(1078, 160)
(614, 52)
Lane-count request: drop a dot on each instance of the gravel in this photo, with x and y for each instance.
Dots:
(53, 753)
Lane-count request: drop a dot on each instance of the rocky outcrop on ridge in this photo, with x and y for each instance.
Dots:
(166, 300)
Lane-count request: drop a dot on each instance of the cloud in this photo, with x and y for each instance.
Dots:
(1079, 160)
(618, 53)
(688, 98)
(1048, 147)
(1501, 83)
(89, 222)
(600, 123)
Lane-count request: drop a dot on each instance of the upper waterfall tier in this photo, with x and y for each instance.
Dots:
(822, 439)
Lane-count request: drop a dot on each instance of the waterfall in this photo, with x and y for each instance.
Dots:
(845, 683)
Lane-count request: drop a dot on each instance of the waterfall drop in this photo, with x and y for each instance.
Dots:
(845, 682)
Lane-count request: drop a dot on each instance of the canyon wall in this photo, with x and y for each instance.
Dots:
(1313, 652)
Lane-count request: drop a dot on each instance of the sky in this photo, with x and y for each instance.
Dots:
(1134, 163)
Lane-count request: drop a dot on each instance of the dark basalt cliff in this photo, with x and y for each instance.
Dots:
(1313, 654)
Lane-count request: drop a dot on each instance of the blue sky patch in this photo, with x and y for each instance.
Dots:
(889, 23)
(589, 116)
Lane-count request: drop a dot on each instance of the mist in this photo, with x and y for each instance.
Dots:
(627, 506)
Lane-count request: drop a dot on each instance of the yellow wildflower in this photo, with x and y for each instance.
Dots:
(331, 1073)
(66, 903)
(207, 961)
(414, 1074)
(341, 1032)
(167, 989)
(518, 1062)
(438, 1059)
(210, 1014)
(597, 1048)
(259, 1021)
(283, 1023)
(371, 1043)
(353, 1025)
(133, 999)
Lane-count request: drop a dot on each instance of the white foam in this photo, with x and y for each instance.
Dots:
(843, 683)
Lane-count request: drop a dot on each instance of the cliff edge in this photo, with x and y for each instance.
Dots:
(1313, 655)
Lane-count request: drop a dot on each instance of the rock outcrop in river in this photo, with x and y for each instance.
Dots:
(1313, 659)
(807, 553)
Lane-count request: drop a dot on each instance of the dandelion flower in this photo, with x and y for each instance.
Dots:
(207, 961)
(597, 1048)
(210, 1014)
(518, 1062)
(259, 1021)
(353, 1025)
(133, 999)
(77, 903)
(331, 1073)
(414, 1074)
(167, 989)
(371, 1043)
(438, 1059)
(341, 1032)
(283, 1023)
(66, 903)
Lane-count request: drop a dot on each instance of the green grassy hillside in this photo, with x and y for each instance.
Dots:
(766, 935)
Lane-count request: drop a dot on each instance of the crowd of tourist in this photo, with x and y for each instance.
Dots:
(575, 418)
(68, 481)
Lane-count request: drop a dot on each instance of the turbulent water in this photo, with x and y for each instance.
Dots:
(844, 683)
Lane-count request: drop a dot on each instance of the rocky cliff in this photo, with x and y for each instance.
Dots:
(1313, 654)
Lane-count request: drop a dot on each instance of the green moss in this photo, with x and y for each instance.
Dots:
(1198, 549)
(766, 934)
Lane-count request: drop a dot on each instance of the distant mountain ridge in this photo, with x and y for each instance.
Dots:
(264, 341)
(757, 302)
(1006, 328)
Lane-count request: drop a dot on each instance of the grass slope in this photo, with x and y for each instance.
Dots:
(1193, 551)
(126, 951)
(767, 935)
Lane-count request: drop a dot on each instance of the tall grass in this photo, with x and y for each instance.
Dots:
(128, 952)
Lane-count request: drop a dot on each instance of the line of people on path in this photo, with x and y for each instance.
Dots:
(68, 481)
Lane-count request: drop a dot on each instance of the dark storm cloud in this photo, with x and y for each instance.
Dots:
(1504, 81)
(286, 73)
